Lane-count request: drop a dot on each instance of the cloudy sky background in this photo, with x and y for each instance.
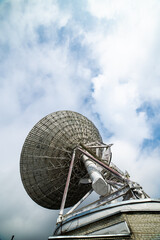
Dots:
(100, 58)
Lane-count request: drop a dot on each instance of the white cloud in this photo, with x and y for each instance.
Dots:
(46, 71)
(36, 79)
(125, 50)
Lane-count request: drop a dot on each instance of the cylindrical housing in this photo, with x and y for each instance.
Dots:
(98, 183)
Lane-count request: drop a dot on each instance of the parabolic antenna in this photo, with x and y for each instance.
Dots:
(46, 157)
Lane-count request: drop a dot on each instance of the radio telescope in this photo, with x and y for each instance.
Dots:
(63, 160)
(46, 155)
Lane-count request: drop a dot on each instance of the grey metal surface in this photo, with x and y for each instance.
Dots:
(46, 156)
(118, 228)
(106, 236)
(101, 236)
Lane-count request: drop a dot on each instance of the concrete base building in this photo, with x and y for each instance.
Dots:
(132, 219)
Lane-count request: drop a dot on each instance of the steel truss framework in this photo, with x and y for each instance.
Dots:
(119, 182)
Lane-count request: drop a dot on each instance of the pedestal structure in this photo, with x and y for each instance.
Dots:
(132, 219)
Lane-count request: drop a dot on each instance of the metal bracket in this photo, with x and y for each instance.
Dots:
(60, 217)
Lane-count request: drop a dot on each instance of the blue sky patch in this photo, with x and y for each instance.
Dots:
(29, 95)
(153, 115)
(148, 108)
(150, 144)
(42, 34)
(4, 51)
(105, 133)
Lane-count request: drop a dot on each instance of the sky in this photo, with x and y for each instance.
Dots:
(100, 58)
